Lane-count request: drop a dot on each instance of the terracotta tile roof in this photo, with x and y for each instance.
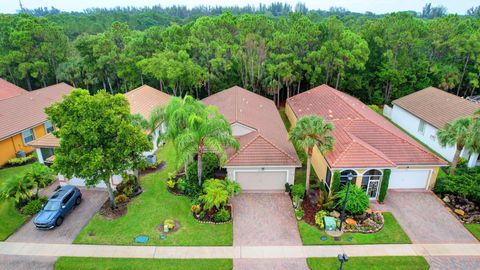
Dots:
(8, 90)
(145, 98)
(363, 138)
(27, 110)
(436, 107)
(142, 100)
(268, 144)
(47, 141)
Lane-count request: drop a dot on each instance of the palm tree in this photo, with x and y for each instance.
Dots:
(19, 188)
(40, 175)
(207, 131)
(155, 120)
(461, 133)
(311, 131)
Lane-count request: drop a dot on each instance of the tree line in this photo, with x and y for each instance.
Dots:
(377, 58)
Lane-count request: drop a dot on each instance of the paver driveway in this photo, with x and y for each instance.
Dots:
(92, 200)
(265, 219)
(424, 218)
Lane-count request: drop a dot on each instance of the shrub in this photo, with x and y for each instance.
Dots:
(375, 108)
(171, 184)
(299, 213)
(298, 190)
(20, 161)
(19, 188)
(121, 198)
(33, 207)
(195, 209)
(128, 184)
(357, 201)
(210, 163)
(233, 188)
(296, 201)
(181, 184)
(215, 194)
(319, 218)
(170, 223)
(336, 182)
(384, 186)
(288, 187)
(464, 185)
(222, 216)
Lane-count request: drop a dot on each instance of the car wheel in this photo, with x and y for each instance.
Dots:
(78, 200)
(59, 221)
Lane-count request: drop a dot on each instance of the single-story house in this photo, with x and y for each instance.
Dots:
(365, 144)
(142, 101)
(22, 118)
(424, 112)
(266, 159)
(8, 89)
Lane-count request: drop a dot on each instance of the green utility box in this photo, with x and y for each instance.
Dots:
(330, 223)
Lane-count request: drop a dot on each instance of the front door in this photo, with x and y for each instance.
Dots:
(372, 188)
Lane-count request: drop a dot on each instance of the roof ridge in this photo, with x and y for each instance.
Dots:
(278, 148)
(372, 149)
(245, 146)
(343, 153)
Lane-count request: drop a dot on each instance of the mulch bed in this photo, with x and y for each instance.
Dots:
(310, 211)
(159, 168)
(175, 191)
(33, 160)
(109, 213)
(467, 211)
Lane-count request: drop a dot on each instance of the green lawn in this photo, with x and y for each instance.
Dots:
(474, 229)
(85, 263)
(149, 210)
(371, 263)
(391, 233)
(10, 218)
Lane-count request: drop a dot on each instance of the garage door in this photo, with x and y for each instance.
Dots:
(409, 178)
(261, 180)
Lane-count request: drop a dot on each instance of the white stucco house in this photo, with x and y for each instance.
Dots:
(142, 101)
(266, 159)
(424, 112)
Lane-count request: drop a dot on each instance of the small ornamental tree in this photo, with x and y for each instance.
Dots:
(384, 186)
(40, 175)
(97, 137)
(357, 201)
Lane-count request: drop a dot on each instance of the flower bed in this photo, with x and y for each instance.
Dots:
(466, 210)
(209, 216)
(369, 222)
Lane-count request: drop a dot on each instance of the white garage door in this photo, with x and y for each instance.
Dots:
(409, 178)
(261, 180)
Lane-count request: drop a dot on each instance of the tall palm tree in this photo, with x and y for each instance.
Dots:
(311, 131)
(155, 120)
(461, 133)
(207, 131)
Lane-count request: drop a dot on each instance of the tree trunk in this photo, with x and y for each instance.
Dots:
(338, 80)
(185, 167)
(456, 156)
(298, 87)
(463, 74)
(199, 168)
(110, 85)
(29, 84)
(110, 193)
(307, 180)
(141, 78)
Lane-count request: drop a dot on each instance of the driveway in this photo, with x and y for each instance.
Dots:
(265, 219)
(424, 218)
(92, 200)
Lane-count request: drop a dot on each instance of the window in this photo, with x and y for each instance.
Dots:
(48, 127)
(421, 127)
(328, 178)
(67, 198)
(28, 136)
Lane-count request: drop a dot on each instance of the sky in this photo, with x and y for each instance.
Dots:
(376, 6)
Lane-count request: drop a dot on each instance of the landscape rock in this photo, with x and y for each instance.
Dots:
(446, 199)
(459, 212)
(351, 221)
(335, 214)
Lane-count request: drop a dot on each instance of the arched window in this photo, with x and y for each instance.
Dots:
(372, 174)
(344, 175)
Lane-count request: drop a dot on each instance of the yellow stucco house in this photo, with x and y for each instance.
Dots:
(366, 144)
(22, 119)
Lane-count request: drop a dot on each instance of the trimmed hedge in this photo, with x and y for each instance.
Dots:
(335, 187)
(384, 186)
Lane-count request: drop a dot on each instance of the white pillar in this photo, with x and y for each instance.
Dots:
(40, 156)
(472, 161)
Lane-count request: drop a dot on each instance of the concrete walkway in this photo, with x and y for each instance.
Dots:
(239, 252)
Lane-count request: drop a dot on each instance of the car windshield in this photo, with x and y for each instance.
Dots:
(52, 206)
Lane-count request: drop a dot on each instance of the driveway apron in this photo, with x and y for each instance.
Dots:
(265, 219)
